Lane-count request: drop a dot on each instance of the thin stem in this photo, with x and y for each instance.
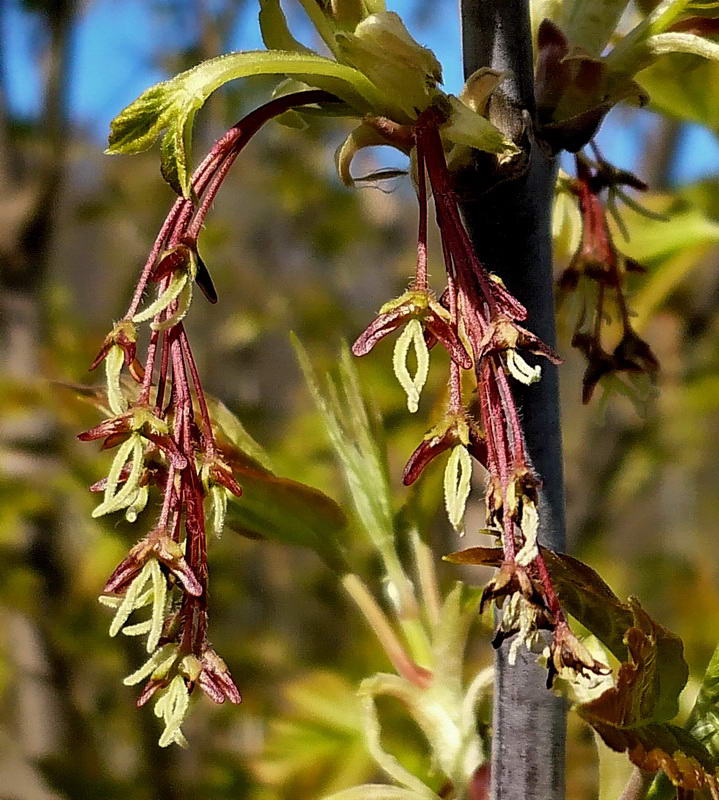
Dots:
(157, 247)
(167, 499)
(195, 375)
(149, 368)
(174, 228)
(421, 278)
(163, 375)
(238, 137)
(386, 635)
(637, 785)
(510, 413)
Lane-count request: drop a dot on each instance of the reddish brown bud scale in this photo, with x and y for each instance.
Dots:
(699, 26)
(109, 427)
(215, 679)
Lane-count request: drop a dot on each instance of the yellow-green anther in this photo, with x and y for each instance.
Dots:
(177, 283)
(130, 601)
(183, 306)
(138, 504)
(113, 476)
(164, 667)
(115, 501)
(113, 601)
(139, 629)
(412, 335)
(159, 595)
(163, 658)
(114, 361)
(530, 528)
(191, 666)
(520, 370)
(523, 617)
(172, 708)
(218, 504)
(457, 479)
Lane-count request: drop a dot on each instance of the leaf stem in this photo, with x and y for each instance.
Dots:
(637, 785)
(382, 627)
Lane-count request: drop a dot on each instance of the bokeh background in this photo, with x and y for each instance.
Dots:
(291, 249)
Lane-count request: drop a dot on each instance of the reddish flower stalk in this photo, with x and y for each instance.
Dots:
(165, 438)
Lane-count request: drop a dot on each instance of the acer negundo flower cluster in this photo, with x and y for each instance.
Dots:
(478, 322)
(159, 419)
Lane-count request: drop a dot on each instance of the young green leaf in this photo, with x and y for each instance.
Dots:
(467, 127)
(171, 106)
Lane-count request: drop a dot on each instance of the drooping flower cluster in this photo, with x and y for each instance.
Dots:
(161, 426)
(597, 275)
(378, 75)
(479, 323)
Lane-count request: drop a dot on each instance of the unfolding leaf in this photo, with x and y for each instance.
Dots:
(352, 437)
(648, 683)
(467, 127)
(319, 733)
(704, 720)
(669, 748)
(171, 106)
(703, 724)
(382, 48)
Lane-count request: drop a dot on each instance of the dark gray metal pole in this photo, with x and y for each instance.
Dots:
(509, 216)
